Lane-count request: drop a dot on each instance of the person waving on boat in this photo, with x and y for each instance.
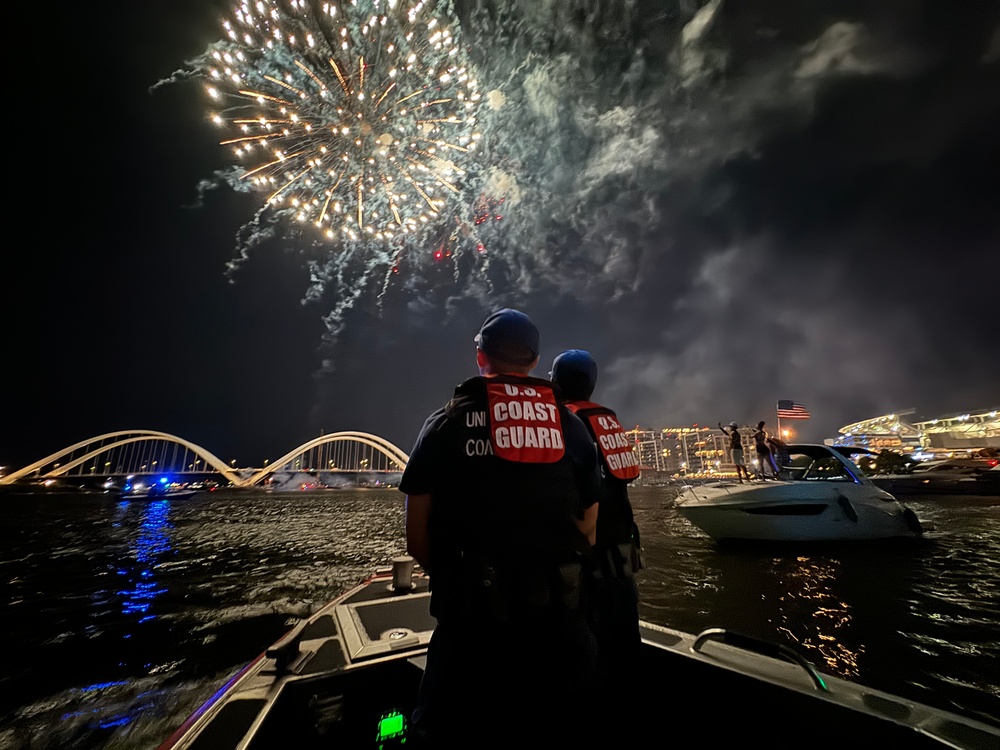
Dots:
(616, 597)
(736, 446)
(762, 444)
(502, 490)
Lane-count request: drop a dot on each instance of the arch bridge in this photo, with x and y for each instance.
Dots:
(147, 453)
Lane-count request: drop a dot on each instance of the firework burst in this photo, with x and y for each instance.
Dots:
(381, 163)
(354, 117)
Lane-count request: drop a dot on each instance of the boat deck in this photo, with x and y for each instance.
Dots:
(348, 677)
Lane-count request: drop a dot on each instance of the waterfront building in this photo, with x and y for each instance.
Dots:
(947, 436)
(886, 432)
(699, 451)
(961, 432)
(695, 451)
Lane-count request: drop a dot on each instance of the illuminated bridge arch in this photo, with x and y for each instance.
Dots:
(338, 452)
(136, 452)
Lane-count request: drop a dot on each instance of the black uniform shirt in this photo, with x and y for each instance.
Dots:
(430, 459)
(513, 515)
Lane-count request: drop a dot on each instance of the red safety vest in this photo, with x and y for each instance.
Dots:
(525, 425)
(616, 450)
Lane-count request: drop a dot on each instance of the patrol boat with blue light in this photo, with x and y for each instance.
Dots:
(347, 677)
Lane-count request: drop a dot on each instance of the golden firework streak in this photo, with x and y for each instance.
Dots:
(340, 76)
(443, 161)
(260, 121)
(361, 224)
(247, 138)
(416, 185)
(445, 144)
(329, 197)
(385, 94)
(388, 196)
(258, 95)
(255, 170)
(280, 190)
(279, 82)
(408, 96)
(308, 72)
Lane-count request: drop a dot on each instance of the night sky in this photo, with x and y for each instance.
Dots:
(727, 204)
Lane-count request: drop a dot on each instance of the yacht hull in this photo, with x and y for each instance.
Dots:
(824, 497)
(786, 511)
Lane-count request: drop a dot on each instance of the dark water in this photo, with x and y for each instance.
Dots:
(119, 619)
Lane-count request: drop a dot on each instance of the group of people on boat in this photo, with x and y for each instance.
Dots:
(517, 507)
(770, 450)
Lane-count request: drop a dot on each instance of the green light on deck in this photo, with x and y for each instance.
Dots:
(390, 726)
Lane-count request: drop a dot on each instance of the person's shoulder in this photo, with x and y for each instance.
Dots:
(591, 407)
(437, 415)
(431, 427)
(579, 441)
(434, 422)
(474, 383)
(570, 418)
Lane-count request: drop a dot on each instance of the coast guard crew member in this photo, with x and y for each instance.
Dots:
(618, 548)
(501, 492)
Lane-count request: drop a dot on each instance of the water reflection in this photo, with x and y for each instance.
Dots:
(845, 609)
(813, 615)
(802, 600)
(147, 545)
(848, 609)
(147, 608)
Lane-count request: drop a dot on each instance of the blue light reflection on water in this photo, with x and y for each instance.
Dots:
(152, 542)
(116, 722)
(102, 686)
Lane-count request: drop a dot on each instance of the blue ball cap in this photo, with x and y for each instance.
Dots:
(575, 372)
(509, 336)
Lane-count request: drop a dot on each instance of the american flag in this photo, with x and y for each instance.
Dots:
(791, 410)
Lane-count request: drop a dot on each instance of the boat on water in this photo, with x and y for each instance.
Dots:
(952, 476)
(108, 491)
(945, 477)
(820, 496)
(987, 483)
(155, 493)
(162, 489)
(347, 677)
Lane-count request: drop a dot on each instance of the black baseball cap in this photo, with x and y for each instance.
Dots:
(509, 336)
(575, 371)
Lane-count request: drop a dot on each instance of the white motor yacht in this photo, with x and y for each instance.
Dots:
(820, 496)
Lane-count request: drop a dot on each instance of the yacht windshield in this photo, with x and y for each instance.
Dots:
(813, 463)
